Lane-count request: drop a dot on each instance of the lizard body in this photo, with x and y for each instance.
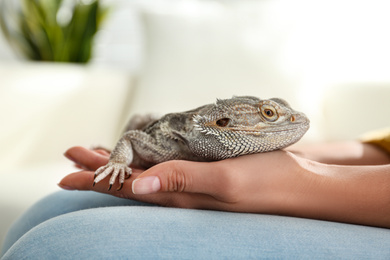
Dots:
(229, 128)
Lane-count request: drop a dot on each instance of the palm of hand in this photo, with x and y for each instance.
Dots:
(253, 183)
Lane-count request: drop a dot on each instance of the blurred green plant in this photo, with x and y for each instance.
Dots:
(52, 30)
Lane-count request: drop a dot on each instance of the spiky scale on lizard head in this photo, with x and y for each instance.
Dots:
(249, 125)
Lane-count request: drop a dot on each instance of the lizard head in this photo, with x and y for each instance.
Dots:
(250, 117)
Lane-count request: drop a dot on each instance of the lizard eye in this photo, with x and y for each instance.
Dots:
(222, 122)
(269, 113)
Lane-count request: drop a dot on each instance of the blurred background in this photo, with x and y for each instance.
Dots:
(76, 77)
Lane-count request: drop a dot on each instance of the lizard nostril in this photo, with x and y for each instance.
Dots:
(292, 119)
(222, 122)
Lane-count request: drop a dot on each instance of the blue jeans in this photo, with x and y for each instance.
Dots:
(89, 225)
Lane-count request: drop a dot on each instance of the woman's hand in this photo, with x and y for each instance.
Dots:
(253, 183)
(274, 183)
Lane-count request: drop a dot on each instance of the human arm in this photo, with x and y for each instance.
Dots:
(271, 183)
(342, 153)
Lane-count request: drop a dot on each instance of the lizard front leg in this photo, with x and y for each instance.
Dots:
(120, 158)
(148, 150)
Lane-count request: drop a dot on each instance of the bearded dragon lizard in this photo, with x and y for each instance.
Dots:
(229, 128)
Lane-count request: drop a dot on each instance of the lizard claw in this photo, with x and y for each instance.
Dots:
(115, 170)
(120, 187)
(128, 173)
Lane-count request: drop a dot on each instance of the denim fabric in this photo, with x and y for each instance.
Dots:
(88, 225)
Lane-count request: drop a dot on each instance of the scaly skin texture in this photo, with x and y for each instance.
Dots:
(228, 128)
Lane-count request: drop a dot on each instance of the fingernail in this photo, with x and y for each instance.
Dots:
(146, 185)
(65, 187)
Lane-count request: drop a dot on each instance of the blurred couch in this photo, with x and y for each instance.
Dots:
(184, 54)
(47, 108)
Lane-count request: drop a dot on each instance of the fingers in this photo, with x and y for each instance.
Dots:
(86, 159)
(184, 176)
(102, 150)
(83, 181)
(195, 194)
(77, 181)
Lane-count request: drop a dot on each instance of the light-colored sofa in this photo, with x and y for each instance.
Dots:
(162, 56)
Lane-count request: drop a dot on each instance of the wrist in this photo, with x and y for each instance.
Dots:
(342, 193)
(317, 193)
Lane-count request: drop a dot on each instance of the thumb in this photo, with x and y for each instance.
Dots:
(178, 176)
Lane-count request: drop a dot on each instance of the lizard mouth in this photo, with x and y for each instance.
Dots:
(260, 131)
(257, 130)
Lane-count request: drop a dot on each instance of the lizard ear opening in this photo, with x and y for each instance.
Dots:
(223, 122)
